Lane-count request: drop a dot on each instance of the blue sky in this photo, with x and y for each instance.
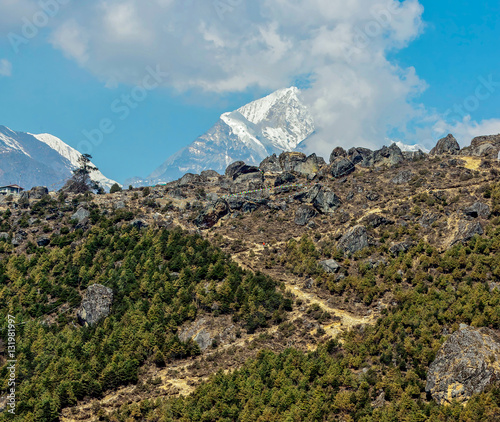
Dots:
(408, 71)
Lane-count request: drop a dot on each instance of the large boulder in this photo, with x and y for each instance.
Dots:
(210, 176)
(212, 214)
(271, 164)
(239, 168)
(248, 182)
(477, 209)
(466, 231)
(96, 304)
(483, 146)
(465, 365)
(376, 220)
(447, 145)
(330, 266)
(326, 202)
(284, 179)
(386, 156)
(80, 214)
(189, 179)
(304, 214)
(37, 192)
(354, 240)
(336, 153)
(341, 167)
(358, 154)
(299, 163)
(414, 155)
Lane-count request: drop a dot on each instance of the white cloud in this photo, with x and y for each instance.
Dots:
(467, 129)
(357, 95)
(5, 67)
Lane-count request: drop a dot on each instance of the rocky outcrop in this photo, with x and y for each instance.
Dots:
(466, 364)
(43, 241)
(299, 163)
(80, 214)
(483, 146)
(96, 304)
(247, 182)
(401, 247)
(402, 177)
(189, 179)
(240, 168)
(376, 220)
(210, 176)
(37, 192)
(354, 240)
(447, 145)
(414, 155)
(326, 202)
(466, 231)
(271, 164)
(330, 266)
(386, 156)
(357, 155)
(212, 214)
(304, 214)
(138, 223)
(284, 179)
(477, 209)
(341, 167)
(336, 153)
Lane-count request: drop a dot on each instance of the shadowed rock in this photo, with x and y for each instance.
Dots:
(386, 156)
(354, 240)
(326, 202)
(270, 164)
(448, 145)
(466, 231)
(478, 209)
(284, 179)
(96, 304)
(336, 153)
(212, 214)
(303, 214)
(239, 168)
(299, 163)
(465, 365)
(330, 266)
(341, 167)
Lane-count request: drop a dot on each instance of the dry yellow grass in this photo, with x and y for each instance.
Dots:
(472, 163)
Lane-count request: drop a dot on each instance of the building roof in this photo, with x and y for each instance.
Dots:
(12, 186)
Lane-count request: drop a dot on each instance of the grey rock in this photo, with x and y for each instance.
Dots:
(235, 202)
(337, 152)
(271, 164)
(248, 182)
(477, 209)
(401, 247)
(465, 365)
(212, 214)
(386, 156)
(483, 146)
(372, 196)
(138, 223)
(299, 163)
(119, 205)
(466, 231)
(309, 283)
(428, 219)
(96, 304)
(326, 202)
(414, 155)
(210, 176)
(285, 178)
(37, 192)
(303, 214)
(4, 236)
(203, 339)
(341, 167)
(402, 177)
(330, 266)
(357, 155)
(354, 240)
(239, 168)
(447, 145)
(189, 179)
(42, 241)
(80, 214)
(19, 237)
(376, 220)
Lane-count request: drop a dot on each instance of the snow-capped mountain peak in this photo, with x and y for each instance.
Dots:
(410, 148)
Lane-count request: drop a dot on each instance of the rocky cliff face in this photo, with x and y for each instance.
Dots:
(483, 146)
(466, 364)
(96, 304)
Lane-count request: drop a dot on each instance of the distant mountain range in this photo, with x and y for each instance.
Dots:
(276, 123)
(39, 160)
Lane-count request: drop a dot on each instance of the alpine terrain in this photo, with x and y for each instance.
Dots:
(34, 160)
